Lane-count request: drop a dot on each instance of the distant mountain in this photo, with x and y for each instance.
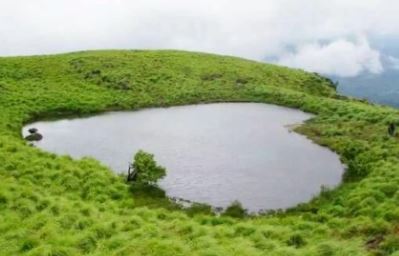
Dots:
(382, 89)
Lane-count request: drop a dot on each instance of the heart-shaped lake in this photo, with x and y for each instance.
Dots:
(213, 153)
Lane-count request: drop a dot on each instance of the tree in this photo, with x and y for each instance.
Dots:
(146, 168)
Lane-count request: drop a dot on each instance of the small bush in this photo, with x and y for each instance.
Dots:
(28, 245)
(197, 208)
(325, 249)
(296, 240)
(146, 168)
(235, 210)
(87, 244)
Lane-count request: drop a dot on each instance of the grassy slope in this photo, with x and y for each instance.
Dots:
(51, 205)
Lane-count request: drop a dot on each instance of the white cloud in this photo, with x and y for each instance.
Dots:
(252, 28)
(341, 57)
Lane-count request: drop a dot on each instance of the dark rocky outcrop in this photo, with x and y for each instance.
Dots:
(34, 135)
(33, 130)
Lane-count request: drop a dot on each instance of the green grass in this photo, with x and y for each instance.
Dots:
(54, 205)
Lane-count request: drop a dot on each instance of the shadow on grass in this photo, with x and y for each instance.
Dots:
(152, 196)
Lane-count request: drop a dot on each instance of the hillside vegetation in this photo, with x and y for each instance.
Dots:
(54, 205)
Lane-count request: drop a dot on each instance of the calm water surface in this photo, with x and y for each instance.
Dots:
(214, 153)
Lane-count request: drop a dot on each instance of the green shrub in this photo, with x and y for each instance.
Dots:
(235, 210)
(198, 208)
(325, 249)
(87, 244)
(28, 245)
(296, 240)
(147, 170)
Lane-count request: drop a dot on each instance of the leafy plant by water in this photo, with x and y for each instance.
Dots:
(145, 168)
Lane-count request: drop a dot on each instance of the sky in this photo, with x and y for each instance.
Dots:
(336, 37)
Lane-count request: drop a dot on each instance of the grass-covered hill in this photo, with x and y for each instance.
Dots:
(54, 205)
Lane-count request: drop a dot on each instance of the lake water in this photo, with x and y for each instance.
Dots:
(214, 153)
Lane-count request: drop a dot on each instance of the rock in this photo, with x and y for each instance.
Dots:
(34, 137)
(33, 130)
